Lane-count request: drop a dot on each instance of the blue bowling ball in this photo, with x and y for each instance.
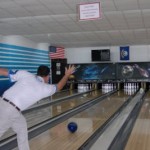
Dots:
(72, 127)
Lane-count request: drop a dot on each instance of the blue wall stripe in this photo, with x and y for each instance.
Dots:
(23, 52)
(21, 48)
(22, 59)
(19, 57)
(19, 67)
(21, 63)
(2, 78)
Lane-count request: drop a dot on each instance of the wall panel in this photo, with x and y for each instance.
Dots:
(18, 57)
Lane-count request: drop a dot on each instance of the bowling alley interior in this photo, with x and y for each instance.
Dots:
(105, 103)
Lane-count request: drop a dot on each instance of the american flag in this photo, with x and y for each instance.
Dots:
(56, 52)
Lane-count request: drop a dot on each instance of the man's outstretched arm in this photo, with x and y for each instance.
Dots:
(3, 71)
(68, 72)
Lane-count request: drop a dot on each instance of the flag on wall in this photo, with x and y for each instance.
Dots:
(56, 52)
(124, 53)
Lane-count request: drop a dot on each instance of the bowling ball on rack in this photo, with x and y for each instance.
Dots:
(141, 90)
(72, 127)
(71, 77)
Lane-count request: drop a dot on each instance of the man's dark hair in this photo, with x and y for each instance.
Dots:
(43, 71)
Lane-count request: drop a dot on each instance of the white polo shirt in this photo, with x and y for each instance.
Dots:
(28, 89)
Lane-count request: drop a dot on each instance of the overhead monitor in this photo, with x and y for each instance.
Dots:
(105, 55)
(100, 55)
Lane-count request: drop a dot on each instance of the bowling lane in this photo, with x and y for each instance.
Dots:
(64, 93)
(41, 114)
(140, 135)
(88, 122)
(57, 96)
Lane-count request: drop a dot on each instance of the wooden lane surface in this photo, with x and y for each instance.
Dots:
(59, 138)
(42, 114)
(64, 94)
(140, 136)
(56, 96)
(51, 111)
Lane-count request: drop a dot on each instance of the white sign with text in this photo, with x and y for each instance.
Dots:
(89, 11)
